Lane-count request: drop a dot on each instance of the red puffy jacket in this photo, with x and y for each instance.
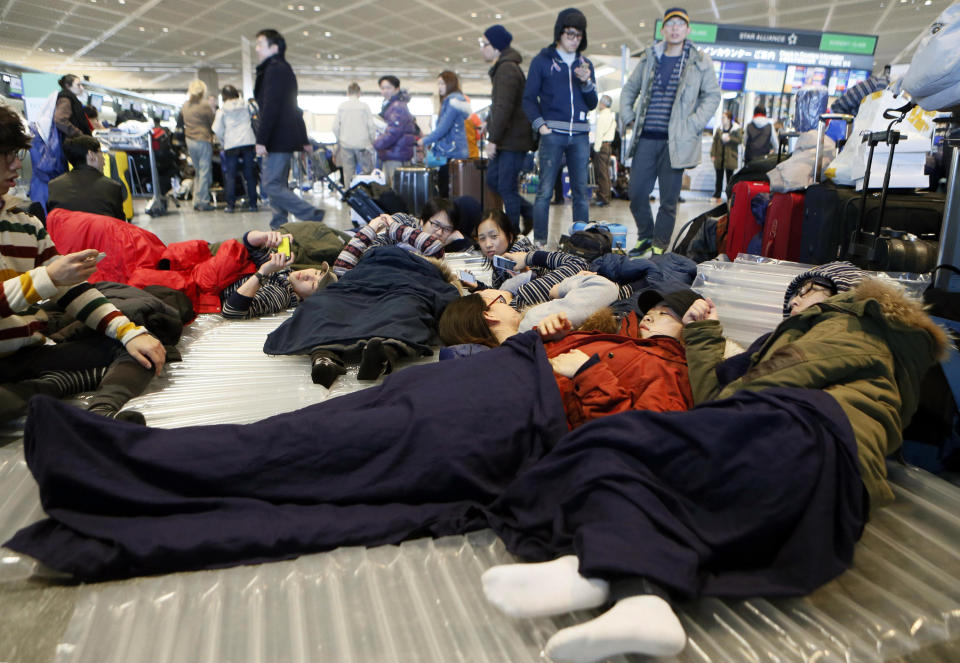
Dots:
(133, 255)
(632, 374)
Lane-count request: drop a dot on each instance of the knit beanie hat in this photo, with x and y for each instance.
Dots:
(571, 18)
(839, 276)
(498, 37)
(677, 301)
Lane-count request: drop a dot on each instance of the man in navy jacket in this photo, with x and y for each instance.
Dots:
(560, 91)
(281, 131)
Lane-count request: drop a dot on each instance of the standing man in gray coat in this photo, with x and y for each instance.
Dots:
(670, 96)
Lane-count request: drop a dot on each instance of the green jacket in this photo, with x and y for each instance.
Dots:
(868, 348)
(725, 155)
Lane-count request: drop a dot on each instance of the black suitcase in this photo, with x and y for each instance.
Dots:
(357, 198)
(416, 185)
(831, 214)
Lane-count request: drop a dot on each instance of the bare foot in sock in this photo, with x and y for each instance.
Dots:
(635, 625)
(538, 590)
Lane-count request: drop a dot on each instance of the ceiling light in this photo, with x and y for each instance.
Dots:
(447, 59)
(300, 7)
(336, 56)
(166, 29)
(928, 2)
(290, 7)
(473, 14)
(122, 2)
(306, 33)
(603, 45)
(142, 29)
(316, 8)
(497, 16)
(459, 38)
(464, 60)
(327, 34)
(642, 24)
(203, 52)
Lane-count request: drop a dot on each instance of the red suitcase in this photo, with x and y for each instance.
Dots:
(783, 230)
(742, 226)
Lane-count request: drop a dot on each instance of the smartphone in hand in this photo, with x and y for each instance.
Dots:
(101, 256)
(467, 277)
(504, 263)
(283, 247)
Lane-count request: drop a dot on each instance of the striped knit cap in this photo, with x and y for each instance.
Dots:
(838, 276)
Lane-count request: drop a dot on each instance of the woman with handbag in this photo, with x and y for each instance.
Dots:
(449, 139)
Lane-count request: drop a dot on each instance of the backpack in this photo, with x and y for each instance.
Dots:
(589, 243)
(702, 238)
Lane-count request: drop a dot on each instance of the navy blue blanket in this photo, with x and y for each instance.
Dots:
(391, 293)
(755, 495)
(404, 459)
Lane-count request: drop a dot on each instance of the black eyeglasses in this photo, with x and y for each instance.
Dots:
(12, 156)
(573, 34)
(812, 286)
(439, 226)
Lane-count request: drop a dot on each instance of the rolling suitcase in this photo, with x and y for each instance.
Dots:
(468, 178)
(782, 231)
(357, 198)
(892, 246)
(415, 185)
(116, 166)
(743, 227)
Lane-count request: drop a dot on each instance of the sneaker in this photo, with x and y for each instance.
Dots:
(229, 210)
(656, 251)
(253, 208)
(203, 207)
(642, 247)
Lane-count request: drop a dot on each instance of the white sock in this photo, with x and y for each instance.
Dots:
(539, 590)
(643, 624)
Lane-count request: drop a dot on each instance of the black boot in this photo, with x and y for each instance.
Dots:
(378, 359)
(326, 367)
(124, 379)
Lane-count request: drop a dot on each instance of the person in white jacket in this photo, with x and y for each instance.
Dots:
(355, 130)
(234, 130)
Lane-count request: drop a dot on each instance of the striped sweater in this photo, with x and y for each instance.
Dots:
(25, 251)
(403, 231)
(656, 124)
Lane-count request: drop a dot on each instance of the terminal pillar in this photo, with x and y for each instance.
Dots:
(209, 76)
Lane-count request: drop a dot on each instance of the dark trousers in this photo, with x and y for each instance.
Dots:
(503, 172)
(719, 187)
(601, 168)
(231, 158)
(124, 379)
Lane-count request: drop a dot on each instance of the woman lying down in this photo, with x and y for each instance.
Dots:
(760, 490)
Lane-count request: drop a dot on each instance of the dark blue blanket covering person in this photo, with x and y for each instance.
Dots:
(758, 494)
(418, 455)
(391, 293)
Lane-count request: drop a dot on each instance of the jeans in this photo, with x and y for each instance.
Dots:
(350, 157)
(230, 159)
(276, 171)
(201, 153)
(553, 146)
(503, 172)
(651, 162)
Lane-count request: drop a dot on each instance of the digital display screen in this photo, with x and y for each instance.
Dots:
(15, 86)
(798, 76)
(730, 75)
(96, 100)
(842, 80)
(764, 77)
(165, 115)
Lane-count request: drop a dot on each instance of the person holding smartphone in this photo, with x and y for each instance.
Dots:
(559, 92)
(273, 287)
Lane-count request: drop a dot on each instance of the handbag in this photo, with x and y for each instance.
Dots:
(433, 160)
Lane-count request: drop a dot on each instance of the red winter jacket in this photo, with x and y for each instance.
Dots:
(632, 374)
(133, 255)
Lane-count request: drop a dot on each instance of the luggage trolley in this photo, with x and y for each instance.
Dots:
(126, 141)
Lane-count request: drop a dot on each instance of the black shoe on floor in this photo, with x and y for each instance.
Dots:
(377, 360)
(325, 370)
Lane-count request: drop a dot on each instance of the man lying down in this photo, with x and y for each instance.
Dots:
(761, 489)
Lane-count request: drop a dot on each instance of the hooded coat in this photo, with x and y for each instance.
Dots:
(868, 348)
(397, 141)
(507, 127)
(449, 138)
(698, 96)
(232, 124)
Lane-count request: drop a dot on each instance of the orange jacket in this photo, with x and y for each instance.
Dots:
(632, 374)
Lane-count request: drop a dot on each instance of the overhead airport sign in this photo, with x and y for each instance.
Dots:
(748, 43)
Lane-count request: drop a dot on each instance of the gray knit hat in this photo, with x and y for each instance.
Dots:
(838, 276)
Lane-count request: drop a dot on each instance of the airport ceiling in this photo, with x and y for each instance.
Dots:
(160, 44)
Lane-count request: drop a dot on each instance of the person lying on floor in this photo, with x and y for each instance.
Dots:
(423, 237)
(384, 309)
(422, 454)
(761, 490)
(33, 270)
(274, 287)
(599, 372)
